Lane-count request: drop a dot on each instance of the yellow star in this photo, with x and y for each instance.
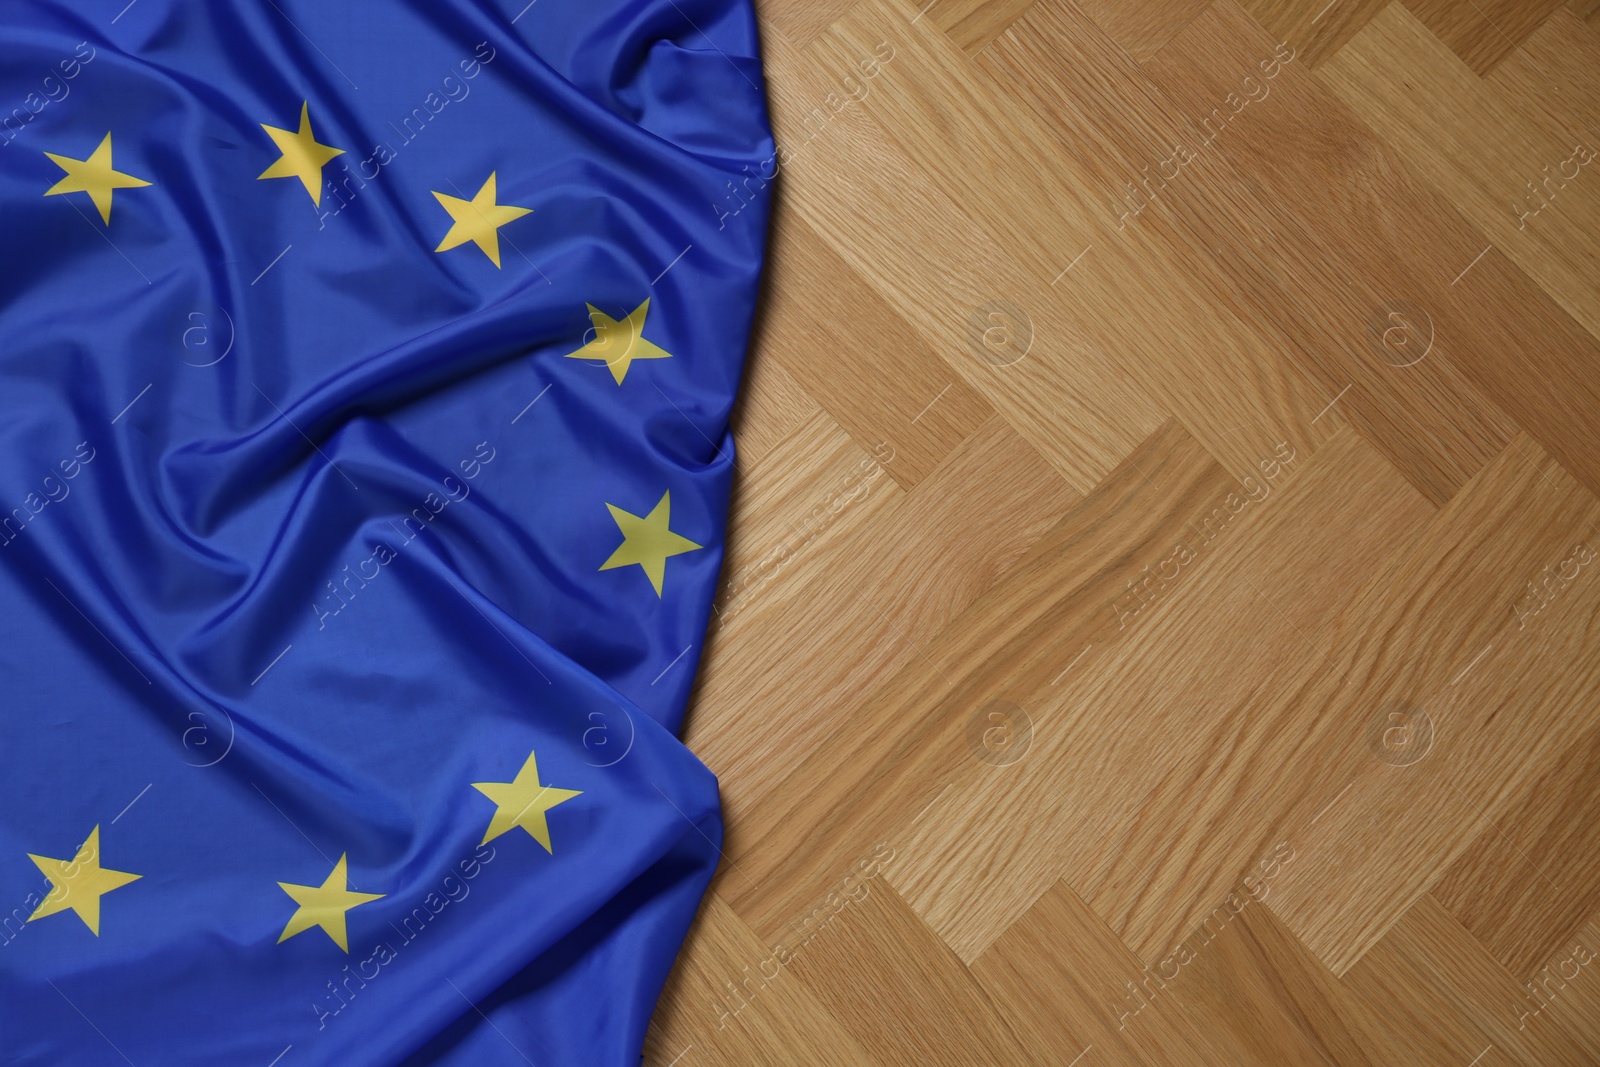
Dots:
(478, 220)
(619, 343)
(324, 905)
(647, 541)
(94, 176)
(303, 157)
(79, 883)
(523, 802)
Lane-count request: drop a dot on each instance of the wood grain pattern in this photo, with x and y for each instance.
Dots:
(1511, 155)
(875, 942)
(1529, 878)
(1161, 615)
(820, 313)
(1316, 28)
(1489, 725)
(1069, 987)
(887, 216)
(1311, 171)
(1484, 32)
(993, 499)
(722, 1008)
(1141, 29)
(972, 24)
(1429, 975)
(1213, 364)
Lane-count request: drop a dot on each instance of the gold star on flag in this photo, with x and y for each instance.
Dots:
(523, 802)
(619, 343)
(647, 541)
(94, 176)
(303, 157)
(478, 220)
(325, 905)
(79, 883)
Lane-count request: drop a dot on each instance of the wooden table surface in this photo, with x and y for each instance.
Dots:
(1162, 617)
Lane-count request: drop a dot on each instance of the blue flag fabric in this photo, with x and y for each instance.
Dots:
(365, 373)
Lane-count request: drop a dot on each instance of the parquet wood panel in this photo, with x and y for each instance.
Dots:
(721, 1009)
(874, 943)
(1141, 29)
(1346, 223)
(972, 24)
(1528, 880)
(1483, 32)
(1498, 148)
(819, 313)
(1429, 974)
(1316, 29)
(1213, 364)
(1159, 621)
(992, 499)
(945, 274)
(1075, 803)
(1060, 977)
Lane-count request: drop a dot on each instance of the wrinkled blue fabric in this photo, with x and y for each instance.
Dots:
(215, 409)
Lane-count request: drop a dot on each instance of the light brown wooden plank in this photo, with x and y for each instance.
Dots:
(1483, 32)
(1499, 149)
(838, 615)
(1447, 1001)
(1220, 370)
(800, 21)
(1243, 973)
(1073, 992)
(943, 272)
(1141, 29)
(1105, 731)
(862, 360)
(1333, 529)
(1316, 28)
(914, 731)
(1562, 992)
(1274, 769)
(1553, 75)
(771, 405)
(1325, 211)
(972, 24)
(1529, 880)
(903, 996)
(1517, 697)
(814, 485)
(729, 1003)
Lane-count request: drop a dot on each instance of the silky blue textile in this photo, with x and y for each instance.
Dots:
(365, 376)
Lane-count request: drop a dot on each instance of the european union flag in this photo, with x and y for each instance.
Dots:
(365, 373)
